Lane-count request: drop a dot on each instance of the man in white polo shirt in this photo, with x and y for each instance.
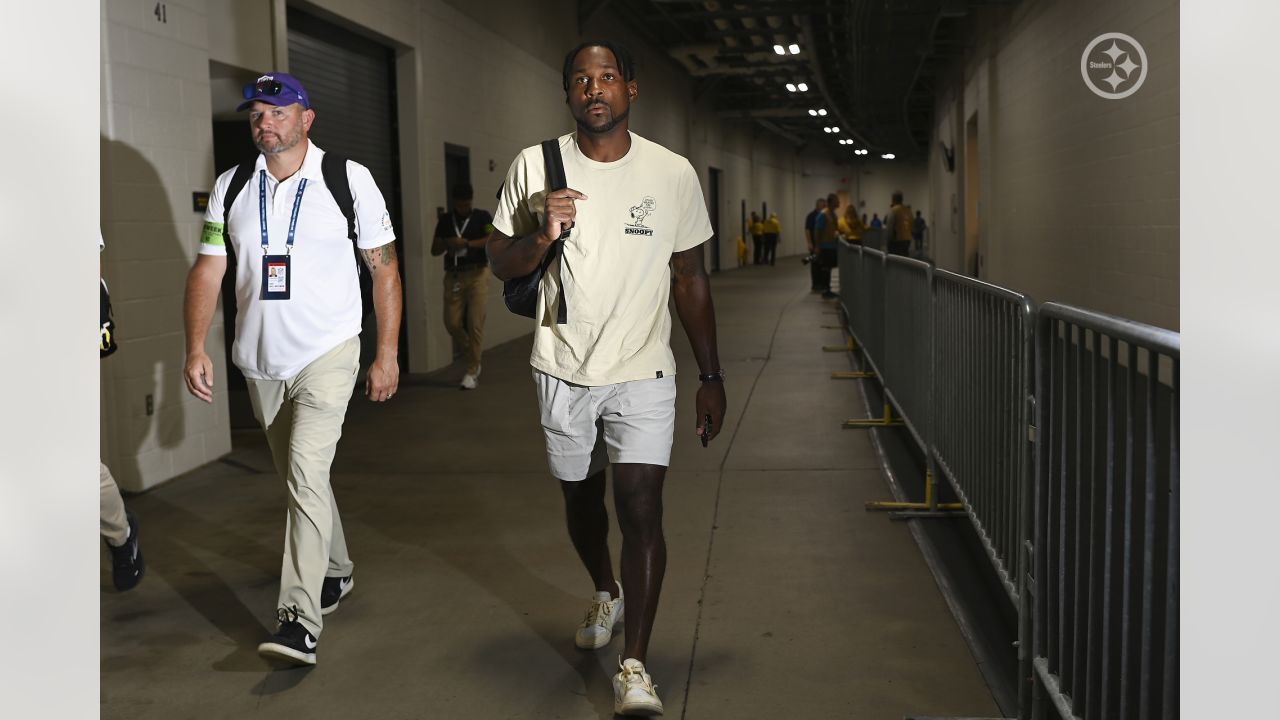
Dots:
(606, 377)
(298, 318)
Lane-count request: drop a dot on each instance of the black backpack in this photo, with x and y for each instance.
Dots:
(334, 169)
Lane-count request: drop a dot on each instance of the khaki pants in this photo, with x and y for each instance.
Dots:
(465, 295)
(303, 418)
(114, 527)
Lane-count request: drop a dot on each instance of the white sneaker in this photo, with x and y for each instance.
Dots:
(470, 380)
(634, 692)
(596, 629)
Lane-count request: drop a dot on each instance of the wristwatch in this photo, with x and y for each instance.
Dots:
(713, 376)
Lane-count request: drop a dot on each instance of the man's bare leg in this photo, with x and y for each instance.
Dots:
(637, 495)
(588, 522)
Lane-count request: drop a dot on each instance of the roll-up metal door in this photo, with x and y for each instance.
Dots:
(350, 80)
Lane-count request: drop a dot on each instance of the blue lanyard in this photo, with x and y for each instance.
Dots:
(262, 211)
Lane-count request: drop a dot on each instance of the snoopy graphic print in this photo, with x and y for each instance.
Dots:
(638, 214)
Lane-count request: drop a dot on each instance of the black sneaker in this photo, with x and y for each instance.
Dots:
(292, 642)
(127, 565)
(333, 590)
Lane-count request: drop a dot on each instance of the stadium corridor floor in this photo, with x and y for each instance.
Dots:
(783, 598)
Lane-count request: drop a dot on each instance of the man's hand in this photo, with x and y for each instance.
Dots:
(456, 243)
(559, 212)
(711, 402)
(383, 379)
(198, 375)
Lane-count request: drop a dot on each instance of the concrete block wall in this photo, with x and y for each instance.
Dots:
(156, 148)
(1079, 193)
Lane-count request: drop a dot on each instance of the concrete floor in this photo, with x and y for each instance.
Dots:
(783, 598)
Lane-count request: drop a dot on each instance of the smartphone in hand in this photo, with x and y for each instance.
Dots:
(706, 430)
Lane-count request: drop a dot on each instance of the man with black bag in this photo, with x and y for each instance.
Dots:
(602, 359)
(291, 216)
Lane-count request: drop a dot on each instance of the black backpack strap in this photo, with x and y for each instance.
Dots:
(243, 172)
(556, 181)
(334, 169)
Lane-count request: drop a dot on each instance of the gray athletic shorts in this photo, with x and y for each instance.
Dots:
(587, 427)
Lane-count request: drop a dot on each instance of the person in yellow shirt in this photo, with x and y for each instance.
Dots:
(899, 224)
(850, 225)
(756, 228)
(742, 252)
(772, 229)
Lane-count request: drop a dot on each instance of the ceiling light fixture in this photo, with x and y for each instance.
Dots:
(887, 156)
(835, 129)
(822, 112)
(779, 49)
(794, 48)
(803, 87)
(791, 87)
(813, 112)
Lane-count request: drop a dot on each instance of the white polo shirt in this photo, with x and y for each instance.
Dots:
(275, 339)
(616, 263)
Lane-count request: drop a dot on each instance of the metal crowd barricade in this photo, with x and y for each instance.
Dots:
(1105, 544)
(869, 296)
(908, 343)
(983, 378)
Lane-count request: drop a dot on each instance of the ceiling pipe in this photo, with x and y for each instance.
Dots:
(806, 27)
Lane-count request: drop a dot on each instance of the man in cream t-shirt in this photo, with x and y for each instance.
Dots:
(606, 377)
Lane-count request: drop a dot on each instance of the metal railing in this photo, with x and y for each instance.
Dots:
(862, 295)
(1105, 543)
(983, 380)
(908, 343)
(1084, 536)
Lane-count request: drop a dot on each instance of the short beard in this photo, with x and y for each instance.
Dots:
(604, 129)
(281, 147)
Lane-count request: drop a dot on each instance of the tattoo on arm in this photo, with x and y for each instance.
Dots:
(379, 257)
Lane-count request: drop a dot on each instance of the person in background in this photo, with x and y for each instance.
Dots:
(825, 230)
(918, 228)
(810, 243)
(772, 231)
(118, 526)
(460, 236)
(851, 226)
(756, 229)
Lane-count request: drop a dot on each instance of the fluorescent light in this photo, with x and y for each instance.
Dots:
(887, 156)
(794, 48)
(791, 87)
(826, 130)
(822, 112)
(835, 129)
(813, 112)
(779, 49)
(803, 87)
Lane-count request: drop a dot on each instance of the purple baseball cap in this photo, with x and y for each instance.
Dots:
(275, 88)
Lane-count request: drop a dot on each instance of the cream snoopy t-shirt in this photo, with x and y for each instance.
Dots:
(615, 267)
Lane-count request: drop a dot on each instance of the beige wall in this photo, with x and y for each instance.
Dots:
(483, 74)
(1078, 194)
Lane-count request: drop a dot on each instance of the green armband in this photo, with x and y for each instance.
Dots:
(213, 234)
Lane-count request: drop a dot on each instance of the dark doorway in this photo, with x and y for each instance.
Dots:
(713, 189)
(351, 82)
